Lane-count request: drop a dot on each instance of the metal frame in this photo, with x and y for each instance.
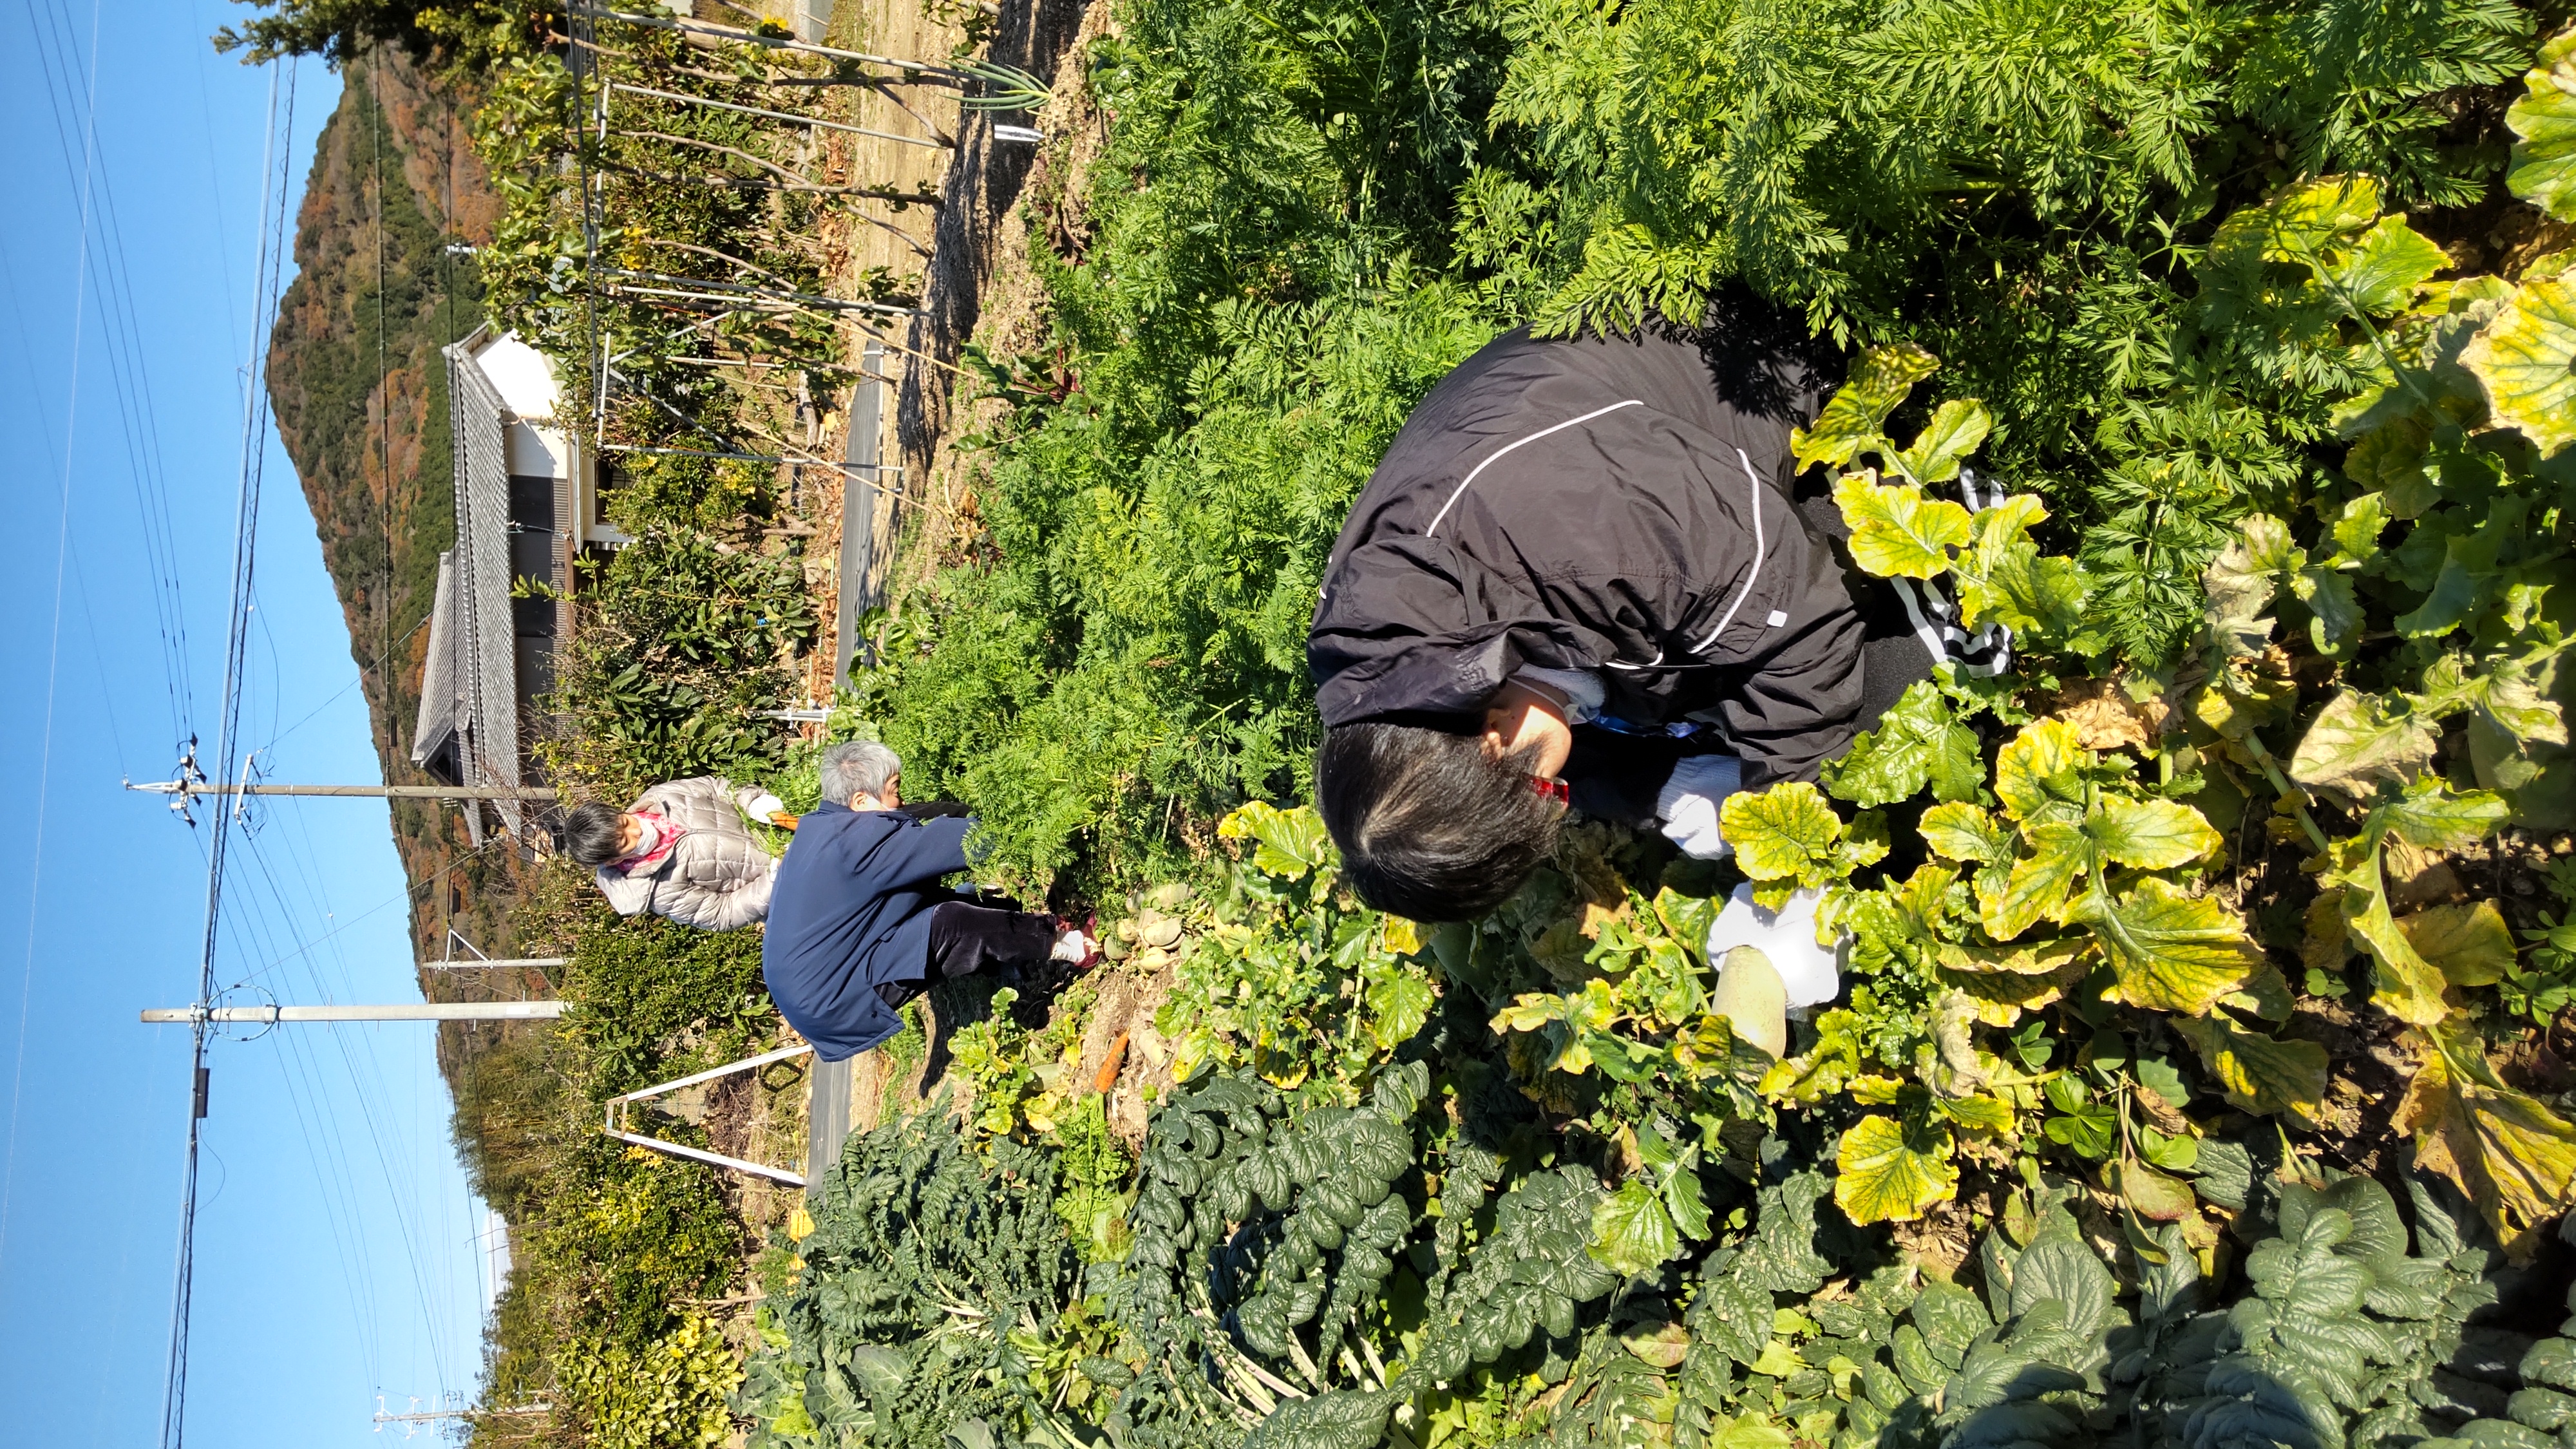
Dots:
(614, 1122)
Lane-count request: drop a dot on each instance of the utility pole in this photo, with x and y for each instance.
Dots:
(188, 789)
(395, 1011)
(411, 1422)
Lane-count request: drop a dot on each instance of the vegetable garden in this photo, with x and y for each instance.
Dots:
(2197, 1077)
(2194, 1081)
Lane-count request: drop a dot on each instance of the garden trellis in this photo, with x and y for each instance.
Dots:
(754, 304)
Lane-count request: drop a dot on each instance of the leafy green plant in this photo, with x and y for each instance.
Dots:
(669, 1395)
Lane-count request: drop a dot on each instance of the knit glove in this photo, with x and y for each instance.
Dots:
(1810, 972)
(1689, 801)
(765, 805)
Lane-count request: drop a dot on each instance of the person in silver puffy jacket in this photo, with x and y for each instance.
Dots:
(681, 851)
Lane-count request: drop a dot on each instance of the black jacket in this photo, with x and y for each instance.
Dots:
(1610, 505)
(850, 912)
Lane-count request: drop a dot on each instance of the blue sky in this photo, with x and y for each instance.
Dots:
(337, 1252)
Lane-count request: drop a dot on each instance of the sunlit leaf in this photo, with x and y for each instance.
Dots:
(1397, 1003)
(2526, 361)
(1966, 832)
(2153, 834)
(1955, 431)
(2470, 944)
(2299, 223)
(1914, 744)
(2544, 159)
(2512, 1155)
(1782, 833)
(1897, 532)
(2379, 275)
(1632, 1233)
(2404, 984)
(2258, 1073)
(1885, 1174)
(2173, 952)
(2040, 958)
(2431, 816)
(1290, 842)
(2039, 884)
(1857, 413)
(2359, 740)
(2038, 774)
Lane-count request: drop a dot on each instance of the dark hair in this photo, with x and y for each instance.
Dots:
(591, 832)
(1429, 827)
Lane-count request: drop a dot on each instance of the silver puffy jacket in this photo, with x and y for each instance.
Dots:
(717, 877)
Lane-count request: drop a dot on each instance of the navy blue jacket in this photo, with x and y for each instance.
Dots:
(850, 912)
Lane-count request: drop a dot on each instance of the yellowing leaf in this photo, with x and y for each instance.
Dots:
(2431, 816)
(1883, 1175)
(1291, 842)
(2258, 1073)
(2298, 224)
(2037, 889)
(2511, 1155)
(1897, 532)
(2153, 834)
(2544, 159)
(1956, 429)
(2043, 958)
(2360, 740)
(1964, 832)
(1977, 1111)
(800, 1225)
(2038, 774)
(2150, 1193)
(1858, 410)
(2470, 944)
(2526, 361)
(2404, 984)
(1781, 833)
(2173, 952)
(1402, 938)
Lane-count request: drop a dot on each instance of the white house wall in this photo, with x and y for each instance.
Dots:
(521, 375)
(537, 452)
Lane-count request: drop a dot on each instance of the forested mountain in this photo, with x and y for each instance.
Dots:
(361, 398)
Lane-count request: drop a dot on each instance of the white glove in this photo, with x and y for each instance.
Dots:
(1808, 971)
(765, 805)
(1689, 801)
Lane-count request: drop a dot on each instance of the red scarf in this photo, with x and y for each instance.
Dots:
(660, 836)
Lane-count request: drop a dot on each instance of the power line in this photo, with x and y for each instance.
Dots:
(229, 764)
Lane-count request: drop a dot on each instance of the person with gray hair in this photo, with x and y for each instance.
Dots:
(859, 922)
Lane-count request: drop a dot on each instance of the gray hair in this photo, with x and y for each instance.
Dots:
(858, 767)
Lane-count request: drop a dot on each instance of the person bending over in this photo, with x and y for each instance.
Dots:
(859, 922)
(681, 850)
(1578, 578)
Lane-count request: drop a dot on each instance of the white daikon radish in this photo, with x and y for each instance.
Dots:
(1749, 995)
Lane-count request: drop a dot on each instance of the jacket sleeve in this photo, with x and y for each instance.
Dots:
(919, 854)
(626, 894)
(712, 906)
(1798, 704)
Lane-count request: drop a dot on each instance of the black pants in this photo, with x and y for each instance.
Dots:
(966, 938)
